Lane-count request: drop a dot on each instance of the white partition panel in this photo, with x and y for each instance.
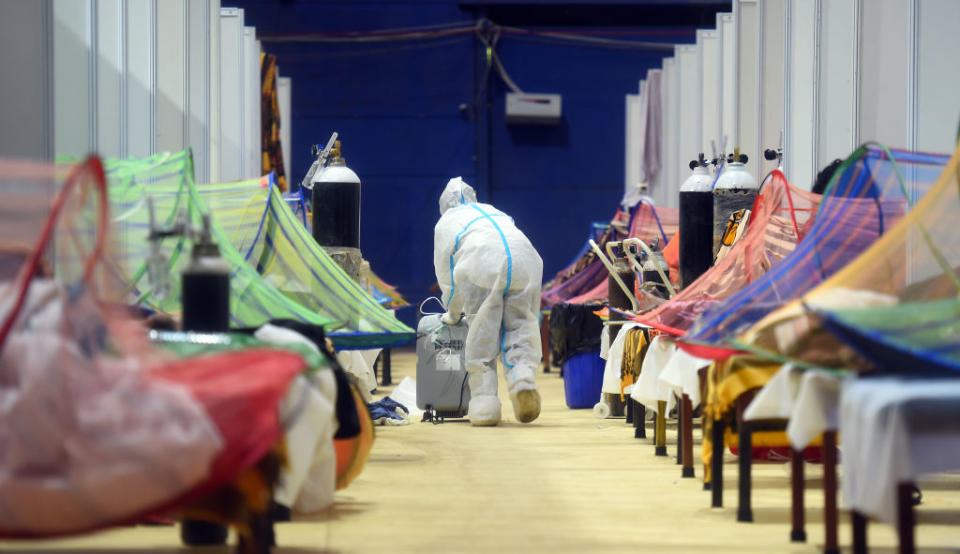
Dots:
(711, 94)
(640, 127)
(800, 107)
(640, 140)
(214, 99)
(837, 70)
(689, 113)
(140, 82)
(26, 102)
(73, 77)
(173, 79)
(745, 14)
(938, 75)
(727, 62)
(771, 32)
(666, 193)
(284, 91)
(232, 91)
(632, 150)
(110, 60)
(197, 132)
(250, 143)
(885, 72)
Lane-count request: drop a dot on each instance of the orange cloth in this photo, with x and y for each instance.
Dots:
(672, 254)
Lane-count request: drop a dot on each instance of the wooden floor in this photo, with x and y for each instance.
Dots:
(566, 483)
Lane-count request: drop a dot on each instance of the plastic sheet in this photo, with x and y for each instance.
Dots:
(96, 427)
(574, 329)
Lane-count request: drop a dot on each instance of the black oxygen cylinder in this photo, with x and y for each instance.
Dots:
(696, 224)
(205, 297)
(205, 289)
(336, 204)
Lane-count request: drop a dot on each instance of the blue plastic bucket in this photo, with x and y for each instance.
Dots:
(583, 379)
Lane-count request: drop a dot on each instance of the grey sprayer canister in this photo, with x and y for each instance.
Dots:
(653, 267)
(336, 204)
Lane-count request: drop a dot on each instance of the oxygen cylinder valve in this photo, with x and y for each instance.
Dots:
(737, 156)
(701, 161)
(772, 154)
(205, 282)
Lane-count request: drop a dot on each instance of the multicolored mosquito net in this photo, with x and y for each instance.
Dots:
(279, 272)
(897, 306)
(778, 221)
(868, 195)
(586, 279)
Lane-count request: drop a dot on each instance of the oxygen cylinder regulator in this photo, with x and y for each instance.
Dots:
(204, 282)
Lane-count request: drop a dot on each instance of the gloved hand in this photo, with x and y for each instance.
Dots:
(450, 319)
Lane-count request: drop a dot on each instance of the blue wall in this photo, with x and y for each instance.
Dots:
(413, 114)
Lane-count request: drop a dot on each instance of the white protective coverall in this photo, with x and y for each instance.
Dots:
(488, 270)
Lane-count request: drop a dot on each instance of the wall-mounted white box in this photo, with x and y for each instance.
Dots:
(536, 109)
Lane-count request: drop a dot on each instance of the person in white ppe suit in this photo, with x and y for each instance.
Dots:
(489, 272)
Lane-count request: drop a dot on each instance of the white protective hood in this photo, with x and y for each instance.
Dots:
(456, 193)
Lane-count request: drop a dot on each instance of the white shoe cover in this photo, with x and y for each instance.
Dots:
(526, 405)
(484, 410)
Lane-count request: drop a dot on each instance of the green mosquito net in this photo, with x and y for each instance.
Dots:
(279, 272)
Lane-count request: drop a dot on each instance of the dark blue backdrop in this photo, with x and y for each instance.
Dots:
(413, 114)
